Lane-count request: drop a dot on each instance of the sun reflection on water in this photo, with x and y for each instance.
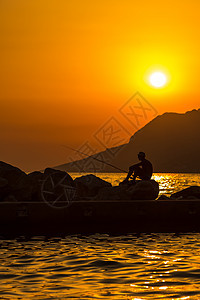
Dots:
(102, 266)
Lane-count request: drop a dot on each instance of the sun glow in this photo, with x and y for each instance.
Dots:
(158, 79)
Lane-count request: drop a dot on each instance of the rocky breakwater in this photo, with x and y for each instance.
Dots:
(58, 186)
(93, 188)
(141, 190)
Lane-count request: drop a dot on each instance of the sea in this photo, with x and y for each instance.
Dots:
(100, 266)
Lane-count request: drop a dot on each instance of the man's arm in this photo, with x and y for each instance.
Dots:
(135, 166)
(131, 169)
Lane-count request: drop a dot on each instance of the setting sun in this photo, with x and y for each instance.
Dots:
(67, 68)
(158, 79)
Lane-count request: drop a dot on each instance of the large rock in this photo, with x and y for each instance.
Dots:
(90, 185)
(3, 182)
(4, 188)
(59, 176)
(144, 190)
(114, 193)
(28, 188)
(14, 187)
(192, 192)
(31, 184)
(141, 190)
(12, 174)
(57, 187)
(35, 179)
(23, 191)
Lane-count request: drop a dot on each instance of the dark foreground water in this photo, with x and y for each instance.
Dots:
(155, 266)
(132, 267)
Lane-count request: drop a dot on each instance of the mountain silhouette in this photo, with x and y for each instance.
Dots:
(171, 142)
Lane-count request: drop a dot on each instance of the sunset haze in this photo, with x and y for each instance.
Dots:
(68, 66)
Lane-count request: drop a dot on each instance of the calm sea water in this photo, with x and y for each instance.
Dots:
(133, 267)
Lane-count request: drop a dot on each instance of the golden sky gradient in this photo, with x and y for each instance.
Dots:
(68, 66)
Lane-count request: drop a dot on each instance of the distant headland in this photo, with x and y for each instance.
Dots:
(171, 141)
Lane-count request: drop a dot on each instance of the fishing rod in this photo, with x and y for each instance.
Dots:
(108, 164)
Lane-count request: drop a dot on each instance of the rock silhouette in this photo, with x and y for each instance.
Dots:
(192, 192)
(144, 190)
(15, 182)
(89, 185)
(15, 185)
(141, 190)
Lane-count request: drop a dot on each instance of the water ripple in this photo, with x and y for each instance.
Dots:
(146, 266)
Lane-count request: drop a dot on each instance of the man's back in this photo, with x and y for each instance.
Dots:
(147, 168)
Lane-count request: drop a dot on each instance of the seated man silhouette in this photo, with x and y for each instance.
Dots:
(143, 169)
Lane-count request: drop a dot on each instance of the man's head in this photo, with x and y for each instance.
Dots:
(141, 155)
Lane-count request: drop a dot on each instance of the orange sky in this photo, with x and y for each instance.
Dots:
(68, 66)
